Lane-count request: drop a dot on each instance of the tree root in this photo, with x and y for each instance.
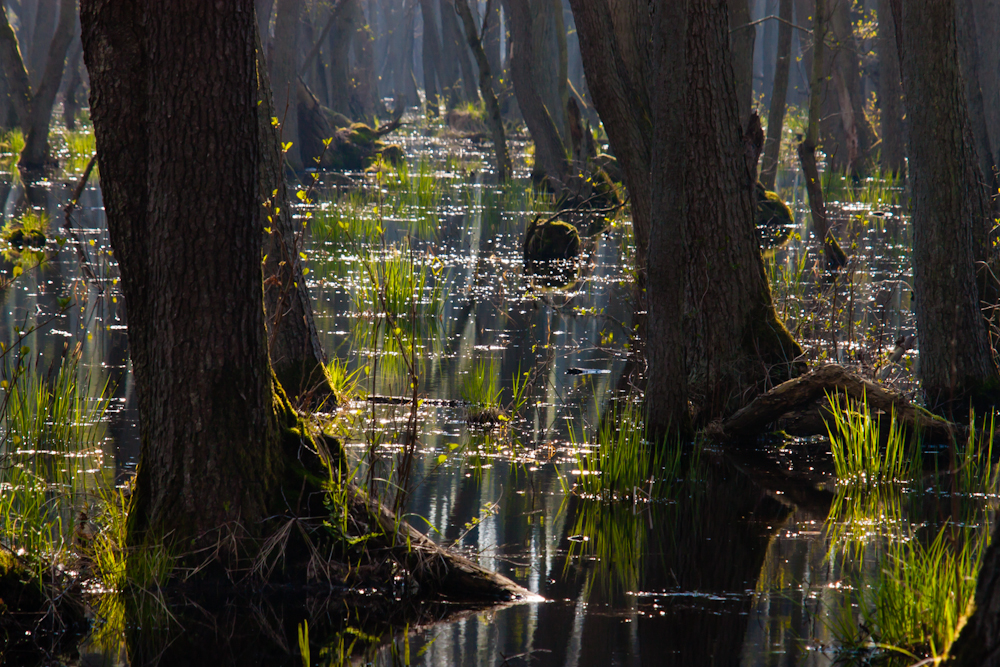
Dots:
(800, 406)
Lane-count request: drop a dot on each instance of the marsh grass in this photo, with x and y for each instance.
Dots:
(912, 609)
(860, 457)
(626, 466)
(50, 445)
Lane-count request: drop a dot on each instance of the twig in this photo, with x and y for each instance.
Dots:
(776, 18)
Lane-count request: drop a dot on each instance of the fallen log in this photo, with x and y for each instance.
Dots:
(803, 405)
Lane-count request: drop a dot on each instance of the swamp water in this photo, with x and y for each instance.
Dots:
(754, 556)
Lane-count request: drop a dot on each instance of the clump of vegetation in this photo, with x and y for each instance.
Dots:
(51, 434)
(773, 218)
(11, 146)
(550, 239)
(483, 394)
(912, 610)
(29, 231)
(865, 451)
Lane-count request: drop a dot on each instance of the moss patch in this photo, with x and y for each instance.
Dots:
(773, 219)
(553, 239)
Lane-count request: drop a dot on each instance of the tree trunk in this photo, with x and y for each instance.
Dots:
(835, 257)
(365, 102)
(956, 362)
(284, 77)
(732, 343)
(618, 67)
(550, 154)
(890, 95)
(41, 38)
(742, 37)
(431, 57)
(456, 57)
(35, 155)
(968, 52)
(184, 217)
(296, 354)
(845, 128)
(548, 67)
(988, 31)
(71, 101)
(666, 383)
(492, 27)
(493, 117)
(779, 93)
(15, 73)
(735, 344)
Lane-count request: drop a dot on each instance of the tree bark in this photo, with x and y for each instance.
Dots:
(14, 71)
(550, 153)
(732, 343)
(742, 36)
(35, 155)
(284, 77)
(666, 384)
(71, 102)
(613, 38)
(779, 94)
(431, 57)
(890, 95)
(847, 135)
(294, 349)
(735, 344)
(988, 30)
(956, 362)
(968, 58)
(175, 84)
(835, 257)
(42, 33)
(493, 116)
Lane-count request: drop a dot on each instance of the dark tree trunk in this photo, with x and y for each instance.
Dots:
(493, 117)
(455, 57)
(735, 344)
(550, 154)
(847, 135)
(175, 84)
(338, 44)
(35, 155)
(618, 68)
(779, 93)
(742, 37)
(431, 57)
(46, 16)
(548, 66)
(949, 202)
(284, 77)
(835, 257)
(890, 94)
(492, 27)
(15, 73)
(71, 101)
(666, 384)
(731, 341)
(988, 31)
(296, 354)
(968, 58)
(365, 102)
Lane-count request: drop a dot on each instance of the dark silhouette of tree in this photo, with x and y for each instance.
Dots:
(950, 212)
(710, 301)
(174, 104)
